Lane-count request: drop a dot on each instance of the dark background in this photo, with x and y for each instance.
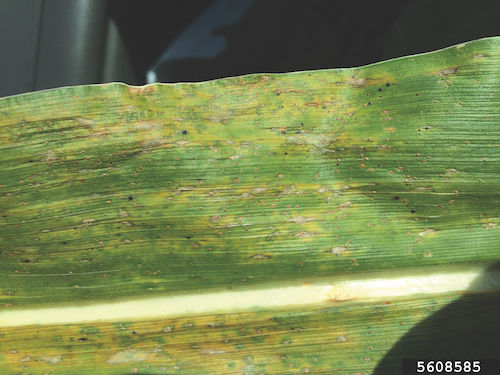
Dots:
(52, 43)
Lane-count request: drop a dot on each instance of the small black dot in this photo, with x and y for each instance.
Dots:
(278, 93)
(387, 84)
(416, 94)
(130, 197)
(379, 89)
(301, 124)
(427, 127)
(188, 237)
(396, 198)
(285, 153)
(184, 132)
(419, 129)
(83, 339)
(369, 103)
(283, 132)
(30, 161)
(413, 211)
(134, 332)
(297, 131)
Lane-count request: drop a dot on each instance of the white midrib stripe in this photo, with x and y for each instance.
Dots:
(233, 301)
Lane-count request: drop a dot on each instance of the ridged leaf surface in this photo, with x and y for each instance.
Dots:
(112, 192)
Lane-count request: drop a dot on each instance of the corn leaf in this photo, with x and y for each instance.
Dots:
(263, 224)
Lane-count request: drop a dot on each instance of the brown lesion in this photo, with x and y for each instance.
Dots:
(139, 90)
(446, 71)
(360, 82)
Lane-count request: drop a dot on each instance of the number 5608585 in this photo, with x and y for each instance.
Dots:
(459, 367)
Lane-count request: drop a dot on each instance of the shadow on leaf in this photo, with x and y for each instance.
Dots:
(467, 328)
